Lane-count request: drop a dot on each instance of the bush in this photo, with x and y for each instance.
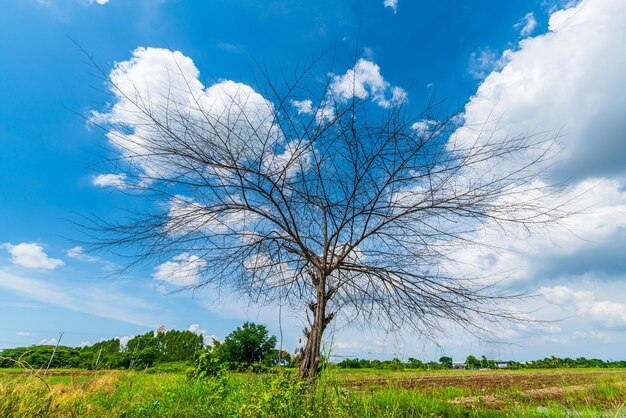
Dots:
(207, 365)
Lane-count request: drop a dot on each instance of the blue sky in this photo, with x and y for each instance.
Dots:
(538, 65)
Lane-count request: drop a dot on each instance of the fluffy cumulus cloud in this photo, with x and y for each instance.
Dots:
(393, 4)
(32, 256)
(589, 241)
(183, 270)
(163, 85)
(365, 80)
(527, 25)
(568, 80)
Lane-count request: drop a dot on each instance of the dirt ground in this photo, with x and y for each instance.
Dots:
(488, 380)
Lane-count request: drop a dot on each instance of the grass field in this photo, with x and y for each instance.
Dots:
(340, 393)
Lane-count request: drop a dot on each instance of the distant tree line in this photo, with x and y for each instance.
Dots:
(247, 348)
(472, 362)
(580, 362)
(140, 351)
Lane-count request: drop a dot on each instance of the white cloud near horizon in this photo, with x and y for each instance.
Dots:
(105, 301)
(208, 339)
(32, 256)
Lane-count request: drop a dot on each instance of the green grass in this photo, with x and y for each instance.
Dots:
(166, 392)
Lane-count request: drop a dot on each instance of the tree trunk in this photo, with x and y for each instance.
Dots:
(309, 363)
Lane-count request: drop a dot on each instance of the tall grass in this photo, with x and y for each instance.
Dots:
(167, 394)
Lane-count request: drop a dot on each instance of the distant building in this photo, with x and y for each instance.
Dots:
(502, 364)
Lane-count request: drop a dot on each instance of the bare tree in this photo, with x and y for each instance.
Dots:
(310, 194)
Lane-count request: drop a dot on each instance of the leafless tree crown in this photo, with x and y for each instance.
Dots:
(342, 204)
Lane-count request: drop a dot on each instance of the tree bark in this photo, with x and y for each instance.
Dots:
(309, 367)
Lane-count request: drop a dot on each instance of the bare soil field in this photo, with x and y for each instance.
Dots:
(483, 380)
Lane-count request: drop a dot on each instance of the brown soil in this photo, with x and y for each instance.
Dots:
(487, 381)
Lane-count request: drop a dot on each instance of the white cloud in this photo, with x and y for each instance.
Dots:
(424, 126)
(22, 334)
(105, 301)
(187, 216)
(364, 80)
(78, 253)
(124, 340)
(296, 157)
(195, 328)
(599, 213)
(32, 256)
(183, 270)
(527, 25)
(303, 106)
(486, 60)
(552, 6)
(84, 344)
(585, 304)
(169, 82)
(51, 341)
(393, 4)
(208, 339)
(569, 79)
(235, 48)
(110, 180)
(323, 113)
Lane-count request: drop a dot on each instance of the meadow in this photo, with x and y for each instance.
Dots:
(168, 392)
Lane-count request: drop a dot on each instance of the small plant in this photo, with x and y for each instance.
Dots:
(207, 364)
